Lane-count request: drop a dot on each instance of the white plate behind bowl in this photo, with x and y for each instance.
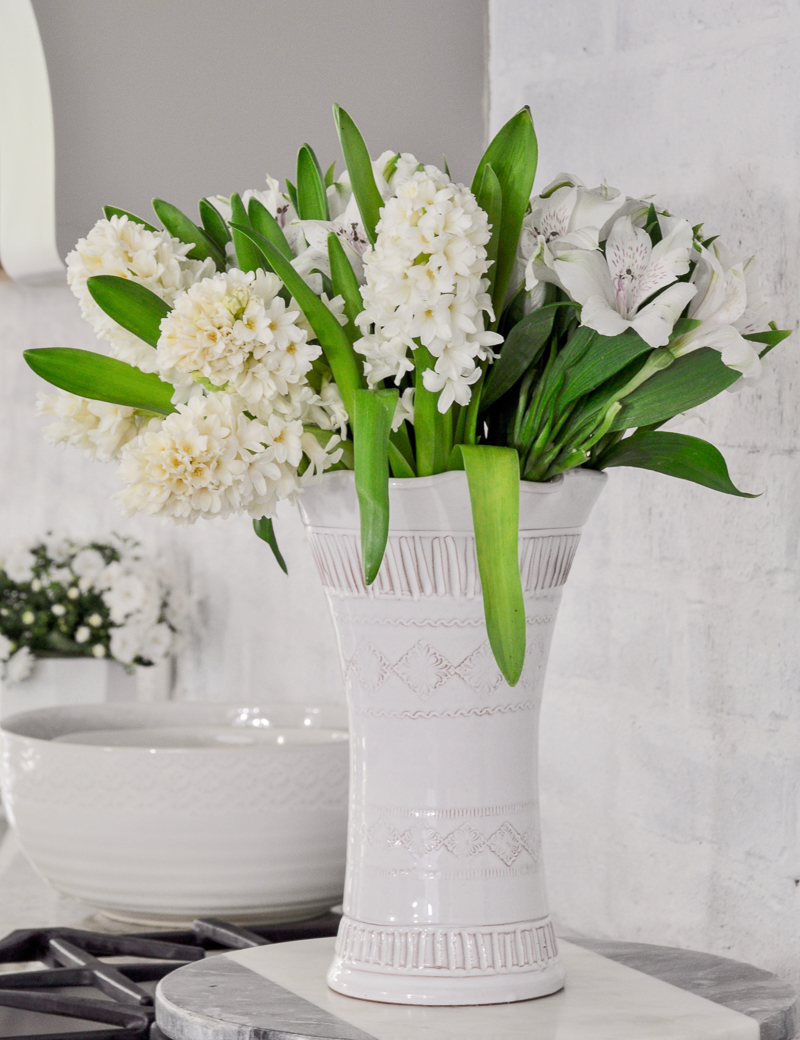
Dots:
(165, 812)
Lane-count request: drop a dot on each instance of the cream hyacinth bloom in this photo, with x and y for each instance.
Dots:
(124, 248)
(99, 428)
(209, 459)
(425, 281)
(236, 333)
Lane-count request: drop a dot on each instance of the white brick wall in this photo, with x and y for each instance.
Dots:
(671, 759)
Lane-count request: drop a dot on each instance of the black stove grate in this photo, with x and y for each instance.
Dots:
(72, 958)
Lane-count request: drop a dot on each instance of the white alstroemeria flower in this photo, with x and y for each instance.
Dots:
(612, 289)
(566, 216)
(347, 227)
(721, 306)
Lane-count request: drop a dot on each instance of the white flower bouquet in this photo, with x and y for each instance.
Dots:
(101, 599)
(393, 321)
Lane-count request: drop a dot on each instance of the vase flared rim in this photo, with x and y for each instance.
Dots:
(454, 476)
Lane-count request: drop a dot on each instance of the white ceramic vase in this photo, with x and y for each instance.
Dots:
(444, 897)
(63, 681)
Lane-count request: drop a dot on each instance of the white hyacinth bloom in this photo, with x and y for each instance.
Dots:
(208, 459)
(100, 429)
(612, 289)
(425, 284)
(235, 332)
(124, 248)
(6, 646)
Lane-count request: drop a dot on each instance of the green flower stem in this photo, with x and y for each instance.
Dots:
(426, 425)
(470, 429)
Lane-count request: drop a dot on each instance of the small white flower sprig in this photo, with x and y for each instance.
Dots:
(397, 322)
(100, 599)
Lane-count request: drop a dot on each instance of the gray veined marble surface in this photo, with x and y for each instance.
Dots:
(741, 987)
(617, 991)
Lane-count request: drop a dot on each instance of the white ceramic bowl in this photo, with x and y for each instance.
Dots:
(159, 813)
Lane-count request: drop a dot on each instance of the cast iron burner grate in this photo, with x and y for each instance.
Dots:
(115, 996)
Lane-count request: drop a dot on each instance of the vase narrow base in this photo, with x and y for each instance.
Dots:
(449, 991)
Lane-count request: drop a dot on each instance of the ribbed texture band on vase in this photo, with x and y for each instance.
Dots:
(447, 965)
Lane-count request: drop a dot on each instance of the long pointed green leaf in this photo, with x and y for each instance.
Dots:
(374, 411)
(676, 455)
(114, 211)
(345, 283)
(213, 224)
(265, 530)
(130, 305)
(490, 199)
(265, 224)
(493, 479)
(359, 166)
(522, 347)
(312, 201)
(606, 356)
(101, 378)
(513, 155)
(689, 381)
(330, 174)
(185, 230)
(338, 349)
(248, 256)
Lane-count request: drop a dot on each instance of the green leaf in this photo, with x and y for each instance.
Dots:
(522, 347)
(688, 382)
(266, 532)
(677, 455)
(291, 191)
(374, 411)
(213, 224)
(101, 378)
(344, 362)
(490, 199)
(130, 305)
(248, 256)
(493, 479)
(606, 356)
(345, 283)
(112, 211)
(401, 468)
(312, 202)
(359, 166)
(330, 174)
(771, 338)
(265, 224)
(185, 230)
(513, 154)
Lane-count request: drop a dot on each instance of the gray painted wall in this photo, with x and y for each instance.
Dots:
(183, 98)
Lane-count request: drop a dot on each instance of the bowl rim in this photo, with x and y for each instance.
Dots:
(30, 727)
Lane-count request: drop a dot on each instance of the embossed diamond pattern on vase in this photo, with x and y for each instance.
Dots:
(463, 842)
(423, 669)
(506, 843)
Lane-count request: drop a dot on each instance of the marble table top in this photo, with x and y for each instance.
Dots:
(614, 991)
